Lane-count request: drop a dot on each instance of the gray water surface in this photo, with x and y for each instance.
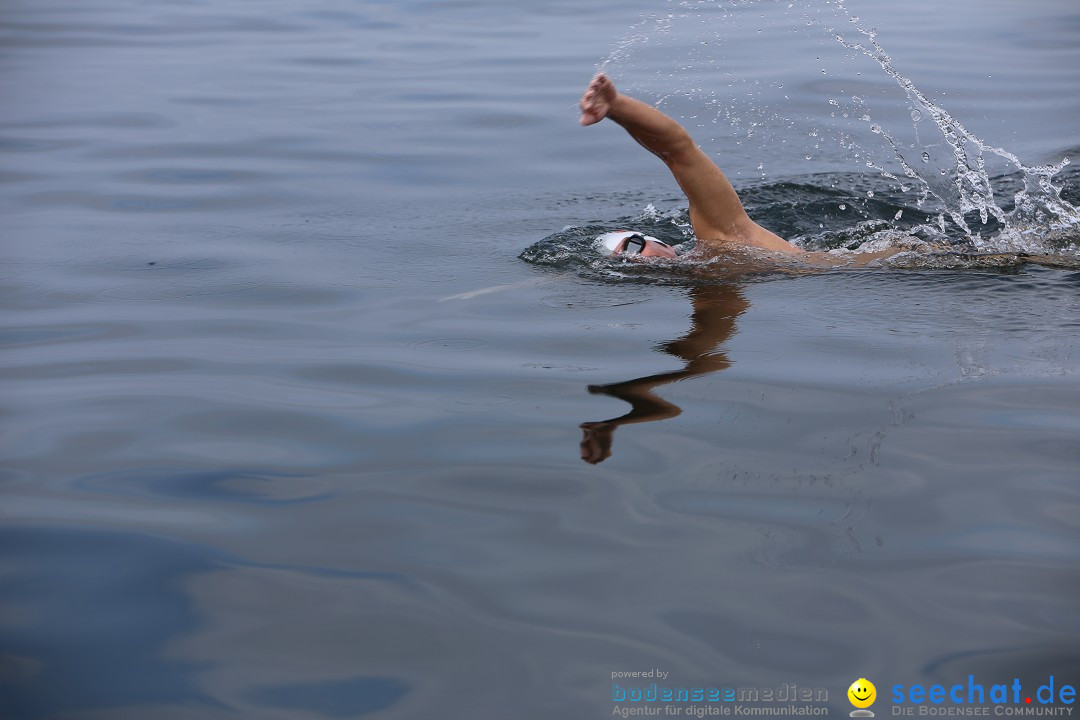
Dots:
(268, 453)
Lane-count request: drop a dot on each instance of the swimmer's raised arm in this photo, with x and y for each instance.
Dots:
(716, 212)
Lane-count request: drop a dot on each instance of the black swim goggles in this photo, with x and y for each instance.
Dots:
(635, 241)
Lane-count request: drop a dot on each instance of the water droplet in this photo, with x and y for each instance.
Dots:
(875, 129)
(916, 115)
(843, 207)
(1066, 161)
(807, 157)
(869, 193)
(898, 215)
(926, 157)
(823, 71)
(942, 171)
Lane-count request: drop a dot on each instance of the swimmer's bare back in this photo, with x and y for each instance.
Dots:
(720, 222)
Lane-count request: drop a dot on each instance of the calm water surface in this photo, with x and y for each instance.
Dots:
(268, 453)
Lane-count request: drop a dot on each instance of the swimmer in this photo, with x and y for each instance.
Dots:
(720, 223)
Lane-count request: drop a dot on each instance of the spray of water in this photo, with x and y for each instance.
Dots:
(1038, 207)
(957, 185)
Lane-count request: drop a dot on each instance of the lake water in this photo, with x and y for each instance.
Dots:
(291, 428)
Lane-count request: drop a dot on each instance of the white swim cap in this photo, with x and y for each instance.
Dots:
(612, 240)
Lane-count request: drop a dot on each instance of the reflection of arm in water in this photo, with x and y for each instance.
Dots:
(712, 322)
(716, 212)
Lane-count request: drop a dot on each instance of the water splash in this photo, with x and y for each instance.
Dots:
(845, 224)
(947, 189)
(1037, 207)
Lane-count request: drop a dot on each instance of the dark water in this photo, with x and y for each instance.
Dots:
(268, 453)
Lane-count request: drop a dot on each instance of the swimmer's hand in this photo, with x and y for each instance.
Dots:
(597, 100)
(596, 443)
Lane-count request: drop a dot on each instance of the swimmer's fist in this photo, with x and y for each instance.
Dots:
(597, 100)
(596, 441)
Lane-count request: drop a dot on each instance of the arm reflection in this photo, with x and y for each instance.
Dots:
(713, 321)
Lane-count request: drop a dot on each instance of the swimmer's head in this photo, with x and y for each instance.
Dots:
(633, 243)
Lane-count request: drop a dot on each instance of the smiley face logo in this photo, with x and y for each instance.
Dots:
(862, 693)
